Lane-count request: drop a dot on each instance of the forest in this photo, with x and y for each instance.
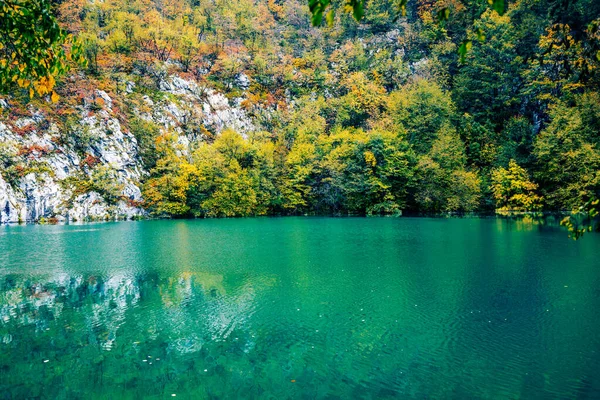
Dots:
(424, 106)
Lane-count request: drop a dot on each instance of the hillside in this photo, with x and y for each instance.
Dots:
(239, 108)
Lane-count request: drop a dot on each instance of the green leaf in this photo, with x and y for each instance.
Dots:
(402, 7)
(498, 5)
(330, 17)
(443, 14)
(317, 7)
(358, 10)
(464, 48)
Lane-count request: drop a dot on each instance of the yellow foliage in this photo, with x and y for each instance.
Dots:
(370, 158)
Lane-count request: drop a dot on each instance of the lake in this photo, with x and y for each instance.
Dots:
(303, 308)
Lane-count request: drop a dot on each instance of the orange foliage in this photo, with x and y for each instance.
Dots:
(33, 150)
(89, 161)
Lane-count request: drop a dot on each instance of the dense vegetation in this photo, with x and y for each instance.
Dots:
(372, 117)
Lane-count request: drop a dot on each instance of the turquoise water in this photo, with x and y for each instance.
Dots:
(276, 308)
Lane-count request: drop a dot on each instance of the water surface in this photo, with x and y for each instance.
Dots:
(276, 308)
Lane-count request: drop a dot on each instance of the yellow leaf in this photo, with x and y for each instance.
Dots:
(55, 97)
(31, 92)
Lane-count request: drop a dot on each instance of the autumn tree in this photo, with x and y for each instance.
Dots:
(513, 189)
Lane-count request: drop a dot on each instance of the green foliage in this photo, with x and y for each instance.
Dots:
(32, 47)
(348, 171)
(223, 179)
(488, 83)
(364, 99)
(8, 152)
(166, 192)
(229, 177)
(362, 173)
(584, 219)
(379, 116)
(421, 109)
(104, 182)
(318, 8)
(8, 163)
(513, 191)
(235, 196)
(81, 137)
(568, 155)
(516, 142)
(444, 185)
(145, 133)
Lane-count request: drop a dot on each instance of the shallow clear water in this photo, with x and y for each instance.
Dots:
(299, 308)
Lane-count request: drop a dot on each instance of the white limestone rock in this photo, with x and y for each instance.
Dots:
(44, 192)
(218, 113)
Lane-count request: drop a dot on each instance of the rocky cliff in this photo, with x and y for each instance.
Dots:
(87, 166)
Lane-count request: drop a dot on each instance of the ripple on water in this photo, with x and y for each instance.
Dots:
(302, 308)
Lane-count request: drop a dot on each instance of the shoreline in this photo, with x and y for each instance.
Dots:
(484, 215)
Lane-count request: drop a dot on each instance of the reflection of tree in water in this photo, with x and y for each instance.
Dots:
(90, 323)
(101, 304)
(194, 302)
(188, 333)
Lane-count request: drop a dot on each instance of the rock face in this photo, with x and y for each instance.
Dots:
(91, 170)
(213, 109)
(44, 173)
(8, 203)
